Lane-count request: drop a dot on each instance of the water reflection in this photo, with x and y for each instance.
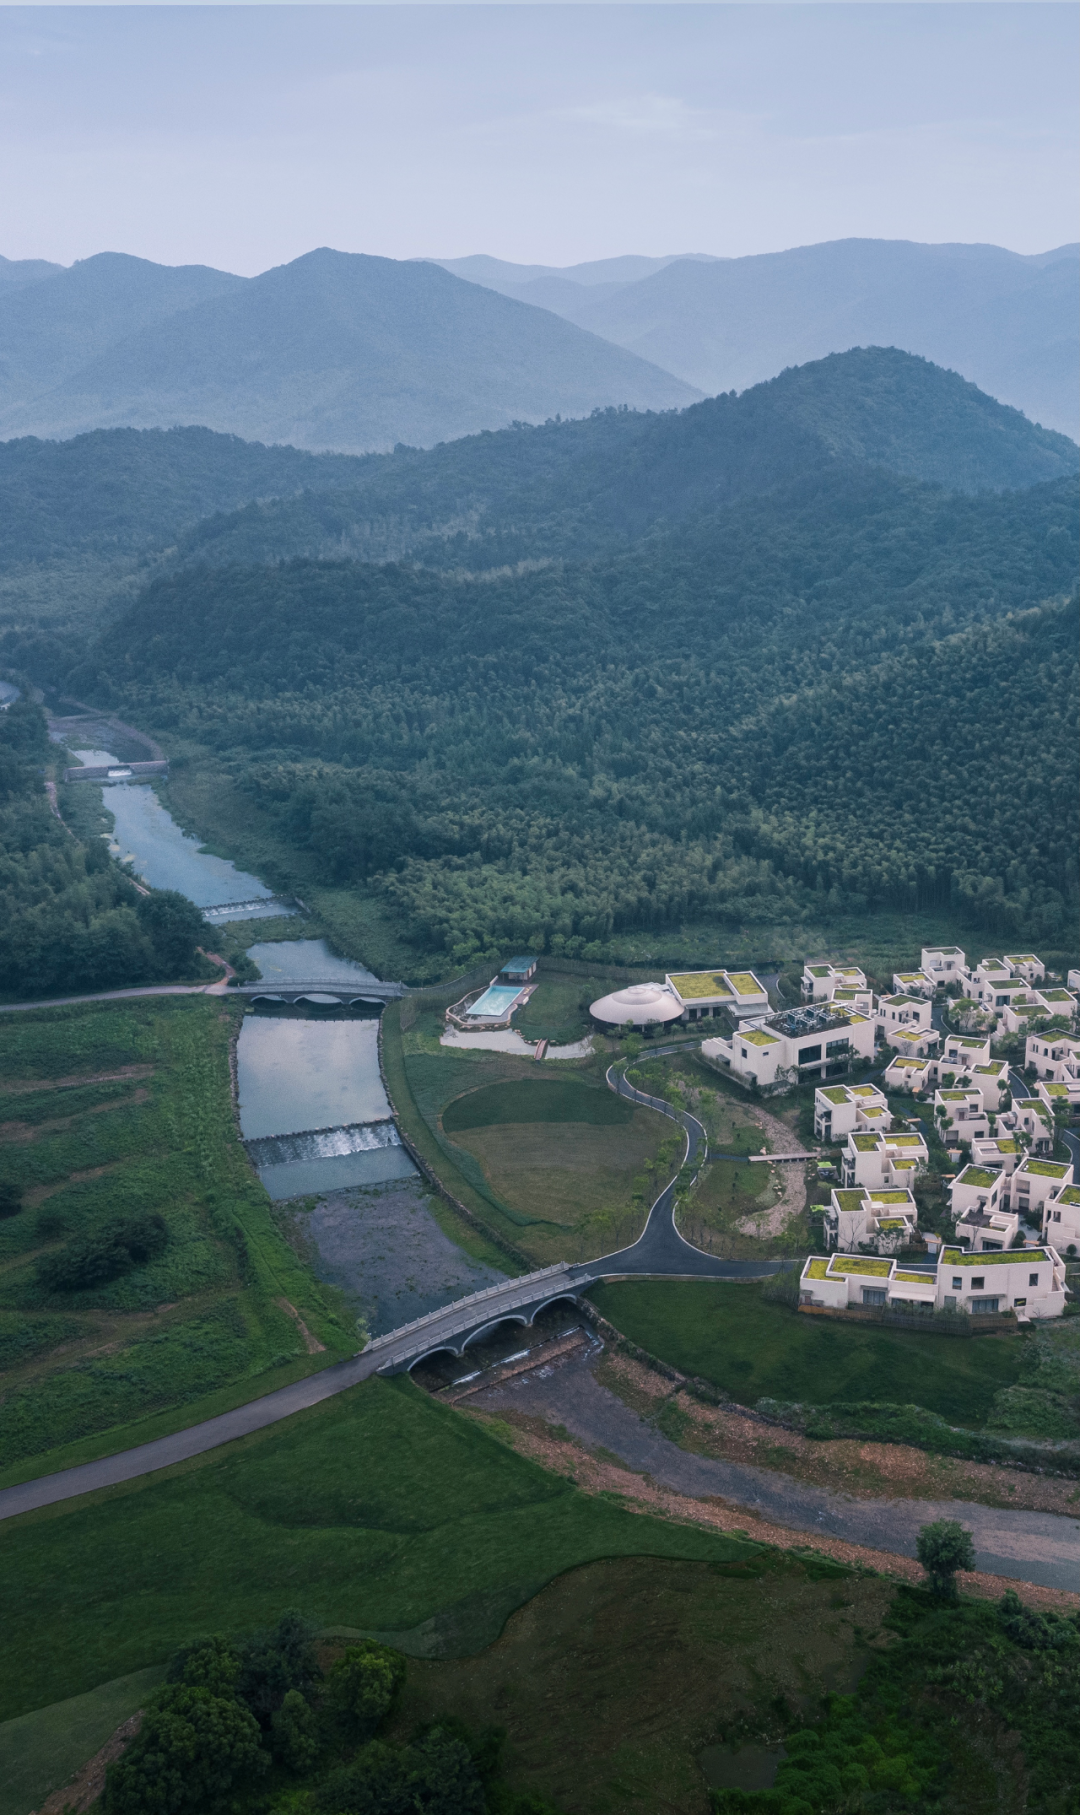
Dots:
(298, 1074)
(303, 960)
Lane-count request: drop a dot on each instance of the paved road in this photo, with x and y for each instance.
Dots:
(1026, 1546)
(120, 995)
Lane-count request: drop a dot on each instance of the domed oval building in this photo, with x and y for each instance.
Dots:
(643, 1005)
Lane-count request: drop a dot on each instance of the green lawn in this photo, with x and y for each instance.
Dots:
(754, 1349)
(544, 1100)
(379, 1510)
(40, 1752)
(112, 1110)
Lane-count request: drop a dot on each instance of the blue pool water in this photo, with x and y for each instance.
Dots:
(494, 1002)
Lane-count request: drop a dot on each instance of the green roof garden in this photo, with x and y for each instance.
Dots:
(694, 984)
(758, 1037)
(820, 970)
(842, 1264)
(1056, 1090)
(745, 983)
(866, 1143)
(914, 1279)
(1044, 1168)
(958, 1257)
(851, 1200)
(890, 1197)
(837, 1093)
(1070, 1195)
(978, 1178)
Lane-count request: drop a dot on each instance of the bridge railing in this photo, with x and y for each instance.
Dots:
(512, 1293)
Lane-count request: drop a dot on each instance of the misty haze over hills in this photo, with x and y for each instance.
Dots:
(1006, 322)
(346, 352)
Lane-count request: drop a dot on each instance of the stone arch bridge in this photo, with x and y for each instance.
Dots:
(451, 1331)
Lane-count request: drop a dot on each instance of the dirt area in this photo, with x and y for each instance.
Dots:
(865, 1470)
(311, 1343)
(89, 1782)
(594, 1473)
(791, 1182)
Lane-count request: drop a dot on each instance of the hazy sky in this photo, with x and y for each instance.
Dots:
(243, 136)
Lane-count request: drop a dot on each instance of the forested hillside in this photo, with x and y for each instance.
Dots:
(71, 918)
(577, 489)
(855, 685)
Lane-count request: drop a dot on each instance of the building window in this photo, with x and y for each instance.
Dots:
(977, 1285)
(808, 1054)
(1033, 1279)
(957, 1285)
(986, 1305)
(1019, 1301)
(873, 1295)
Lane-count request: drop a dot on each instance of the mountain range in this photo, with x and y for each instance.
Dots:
(347, 352)
(1005, 321)
(335, 350)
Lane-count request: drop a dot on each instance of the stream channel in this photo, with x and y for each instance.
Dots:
(314, 1115)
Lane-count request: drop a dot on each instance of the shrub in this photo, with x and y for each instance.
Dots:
(115, 1248)
(294, 1733)
(942, 1548)
(191, 1750)
(272, 1663)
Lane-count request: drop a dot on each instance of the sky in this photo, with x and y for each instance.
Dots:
(244, 136)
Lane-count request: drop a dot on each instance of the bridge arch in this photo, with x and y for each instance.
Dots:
(560, 1298)
(441, 1348)
(485, 1329)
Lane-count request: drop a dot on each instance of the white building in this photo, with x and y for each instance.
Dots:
(1058, 1003)
(914, 1042)
(1026, 965)
(646, 1007)
(906, 1072)
(1055, 1056)
(885, 1221)
(840, 1108)
(821, 980)
(818, 1041)
(1030, 1116)
(992, 1083)
(912, 983)
(978, 1190)
(999, 1150)
(962, 1052)
(1059, 1096)
(1061, 1219)
(705, 994)
(1033, 1182)
(988, 1231)
(910, 1012)
(1027, 1281)
(942, 963)
(960, 1114)
(883, 1161)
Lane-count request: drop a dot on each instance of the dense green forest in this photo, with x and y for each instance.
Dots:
(71, 917)
(570, 490)
(855, 686)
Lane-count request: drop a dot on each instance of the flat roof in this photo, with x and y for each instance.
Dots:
(693, 984)
(850, 1200)
(519, 963)
(816, 1268)
(1070, 1195)
(978, 1178)
(758, 1037)
(848, 1263)
(1044, 1168)
(836, 1093)
(1015, 1257)
(745, 983)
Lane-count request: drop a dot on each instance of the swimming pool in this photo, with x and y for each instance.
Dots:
(495, 1003)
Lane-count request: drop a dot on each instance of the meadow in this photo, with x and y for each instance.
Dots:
(112, 1114)
(379, 1510)
(753, 1348)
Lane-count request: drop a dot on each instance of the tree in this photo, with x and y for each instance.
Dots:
(190, 1751)
(211, 1663)
(272, 1663)
(942, 1548)
(362, 1686)
(10, 1199)
(294, 1733)
(174, 926)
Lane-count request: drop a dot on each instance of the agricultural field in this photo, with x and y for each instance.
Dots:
(143, 1283)
(752, 1347)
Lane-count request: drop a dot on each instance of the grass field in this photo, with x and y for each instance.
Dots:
(110, 1110)
(40, 1752)
(379, 1510)
(613, 1682)
(548, 1159)
(754, 1349)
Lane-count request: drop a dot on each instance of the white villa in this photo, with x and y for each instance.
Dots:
(821, 980)
(1034, 1181)
(1061, 1219)
(999, 1150)
(1027, 1281)
(912, 983)
(962, 1052)
(911, 1012)
(820, 1041)
(882, 1161)
(988, 1231)
(841, 1108)
(978, 1191)
(960, 1115)
(883, 1220)
(906, 1072)
(942, 963)
(707, 993)
(1054, 1056)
